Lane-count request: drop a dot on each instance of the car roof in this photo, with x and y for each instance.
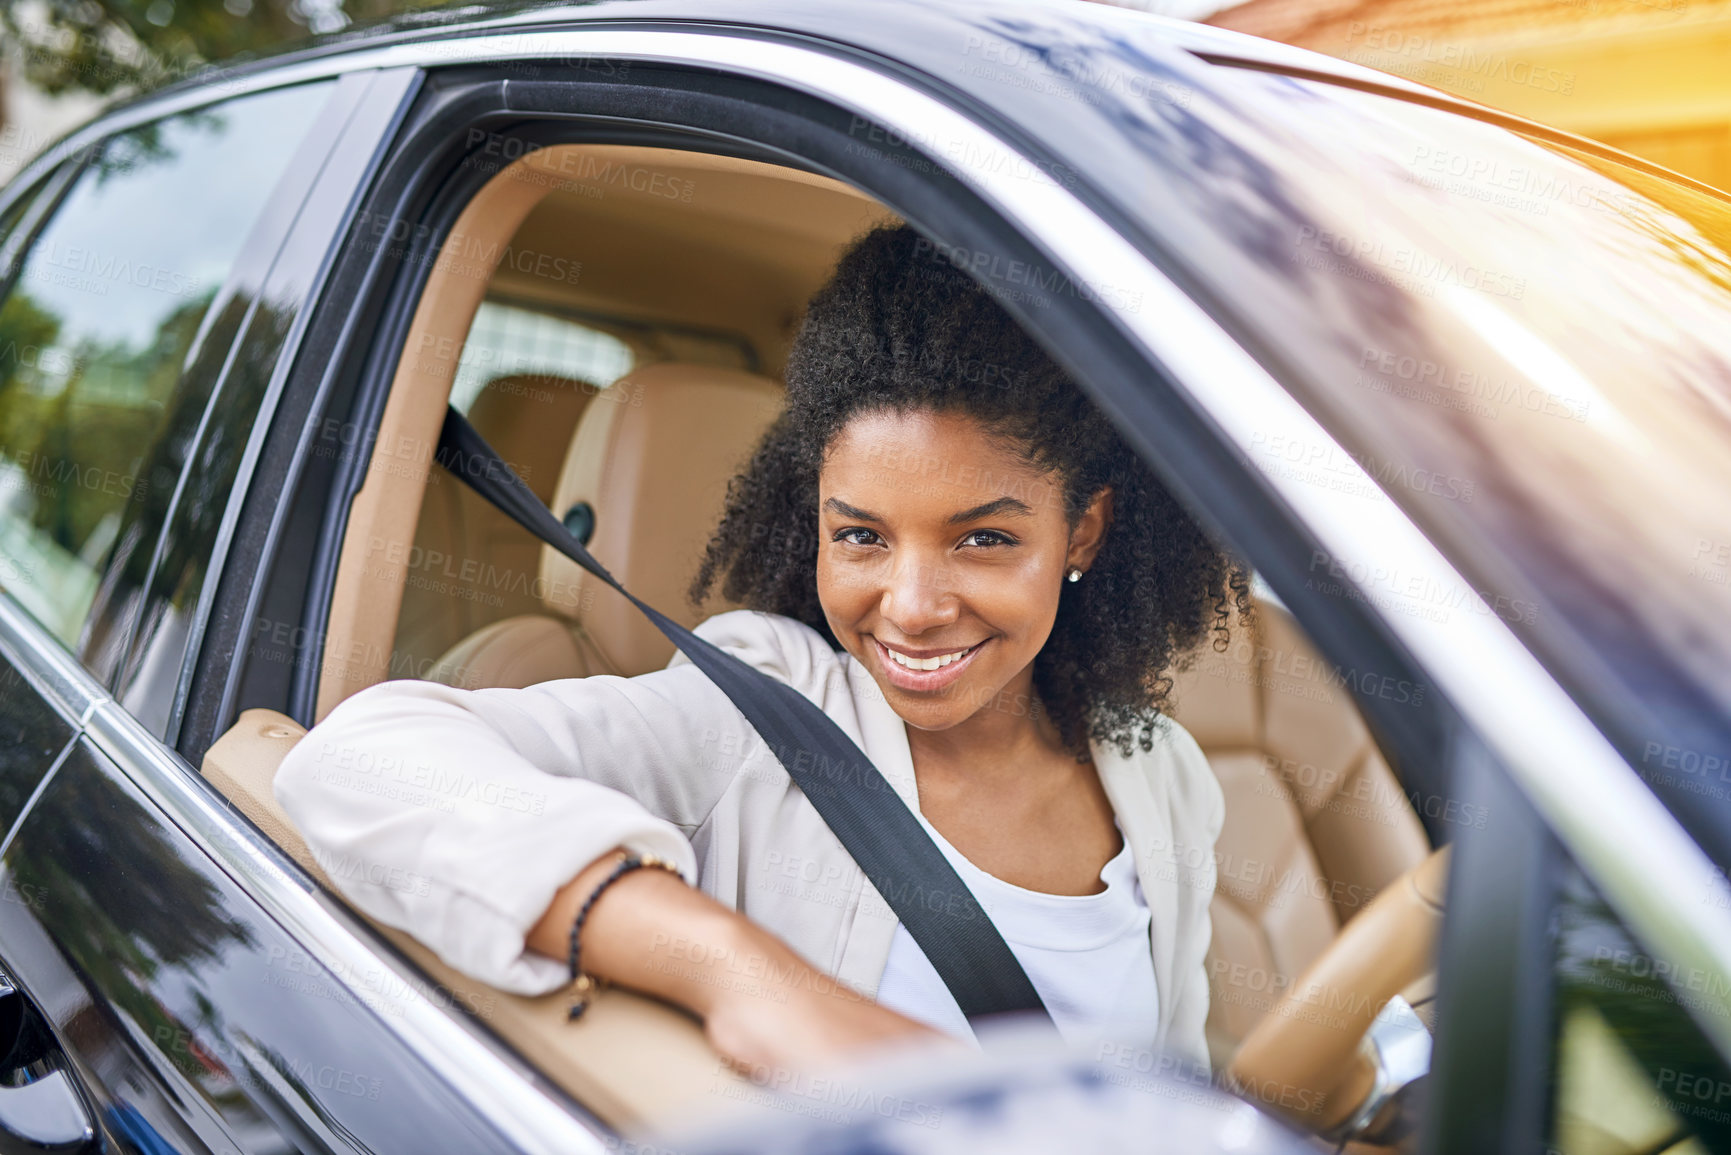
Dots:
(907, 32)
(918, 37)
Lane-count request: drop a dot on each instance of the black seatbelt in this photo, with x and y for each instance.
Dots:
(854, 798)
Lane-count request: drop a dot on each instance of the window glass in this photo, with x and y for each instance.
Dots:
(115, 292)
(509, 341)
(1527, 349)
(1632, 1073)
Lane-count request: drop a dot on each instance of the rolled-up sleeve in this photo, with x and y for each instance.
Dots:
(456, 815)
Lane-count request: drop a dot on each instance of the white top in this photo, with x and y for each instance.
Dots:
(456, 815)
(1087, 955)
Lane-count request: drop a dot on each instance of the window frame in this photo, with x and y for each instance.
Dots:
(426, 182)
(275, 267)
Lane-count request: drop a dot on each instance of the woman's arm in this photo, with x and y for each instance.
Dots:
(458, 814)
(763, 1007)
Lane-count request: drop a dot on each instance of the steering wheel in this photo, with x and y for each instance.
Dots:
(1306, 1050)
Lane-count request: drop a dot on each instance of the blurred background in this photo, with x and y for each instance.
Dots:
(1652, 77)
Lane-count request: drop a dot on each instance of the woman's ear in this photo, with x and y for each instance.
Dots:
(1090, 531)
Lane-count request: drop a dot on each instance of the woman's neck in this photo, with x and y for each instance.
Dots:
(1002, 741)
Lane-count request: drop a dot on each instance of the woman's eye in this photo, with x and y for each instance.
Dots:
(988, 537)
(856, 535)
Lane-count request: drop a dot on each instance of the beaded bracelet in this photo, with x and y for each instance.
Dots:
(583, 986)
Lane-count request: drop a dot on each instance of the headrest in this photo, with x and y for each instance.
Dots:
(651, 460)
(530, 418)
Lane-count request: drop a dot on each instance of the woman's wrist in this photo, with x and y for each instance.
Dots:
(652, 932)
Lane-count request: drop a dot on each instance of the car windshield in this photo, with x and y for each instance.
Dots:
(1526, 347)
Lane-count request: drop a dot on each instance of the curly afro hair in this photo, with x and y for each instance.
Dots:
(897, 327)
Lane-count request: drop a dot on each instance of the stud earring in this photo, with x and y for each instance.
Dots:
(1075, 574)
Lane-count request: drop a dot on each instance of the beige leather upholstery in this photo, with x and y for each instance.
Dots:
(652, 456)
(471, 565)
(1316, 823)
(634, 1061)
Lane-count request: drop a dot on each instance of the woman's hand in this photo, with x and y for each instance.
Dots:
(764, 1009)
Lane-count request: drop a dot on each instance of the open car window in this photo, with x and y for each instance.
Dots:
(627, 402)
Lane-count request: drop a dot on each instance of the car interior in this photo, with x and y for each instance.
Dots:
(622, 349)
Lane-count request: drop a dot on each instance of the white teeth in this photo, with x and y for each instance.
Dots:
(927, 663)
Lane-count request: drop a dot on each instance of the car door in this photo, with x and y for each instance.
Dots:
(1176, 380)
(469, 124)
(168, 998)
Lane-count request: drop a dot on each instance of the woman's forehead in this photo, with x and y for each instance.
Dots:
(926, 463)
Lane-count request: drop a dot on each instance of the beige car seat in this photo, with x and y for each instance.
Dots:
(1316, 823)
(475, 565)
(651, 460)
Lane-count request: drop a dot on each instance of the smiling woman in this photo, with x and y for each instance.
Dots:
(981, 585)
(878, 404)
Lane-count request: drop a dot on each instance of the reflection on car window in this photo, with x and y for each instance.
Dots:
(111, 297)
(1528, 353)
(1631, 1071)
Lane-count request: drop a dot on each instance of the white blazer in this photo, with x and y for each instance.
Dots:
(457, 814)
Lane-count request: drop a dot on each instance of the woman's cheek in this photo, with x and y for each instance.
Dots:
(843, 591)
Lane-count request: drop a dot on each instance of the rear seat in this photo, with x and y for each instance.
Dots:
(530, 420)
(651, 459)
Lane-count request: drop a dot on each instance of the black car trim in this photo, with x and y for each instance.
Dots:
(380, 311)
(29, 227)
(1489, 1087)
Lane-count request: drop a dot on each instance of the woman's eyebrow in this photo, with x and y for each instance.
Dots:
(991, 509)
(846, 510)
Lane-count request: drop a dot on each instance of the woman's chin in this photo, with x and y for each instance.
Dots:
(932, 711)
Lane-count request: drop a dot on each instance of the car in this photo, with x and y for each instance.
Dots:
(1456, 385)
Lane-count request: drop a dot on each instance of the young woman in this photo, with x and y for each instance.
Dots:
(948, 549)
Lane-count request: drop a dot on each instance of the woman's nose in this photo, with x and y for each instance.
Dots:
(919, 597)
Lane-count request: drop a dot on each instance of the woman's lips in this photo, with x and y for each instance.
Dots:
(923, 680)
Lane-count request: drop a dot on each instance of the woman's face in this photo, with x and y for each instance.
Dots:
(941, 558)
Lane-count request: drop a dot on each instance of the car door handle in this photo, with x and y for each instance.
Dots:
(46, 1115)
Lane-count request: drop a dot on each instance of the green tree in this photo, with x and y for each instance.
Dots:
(124, 46)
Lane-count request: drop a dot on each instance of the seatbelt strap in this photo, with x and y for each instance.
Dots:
(861, 807)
